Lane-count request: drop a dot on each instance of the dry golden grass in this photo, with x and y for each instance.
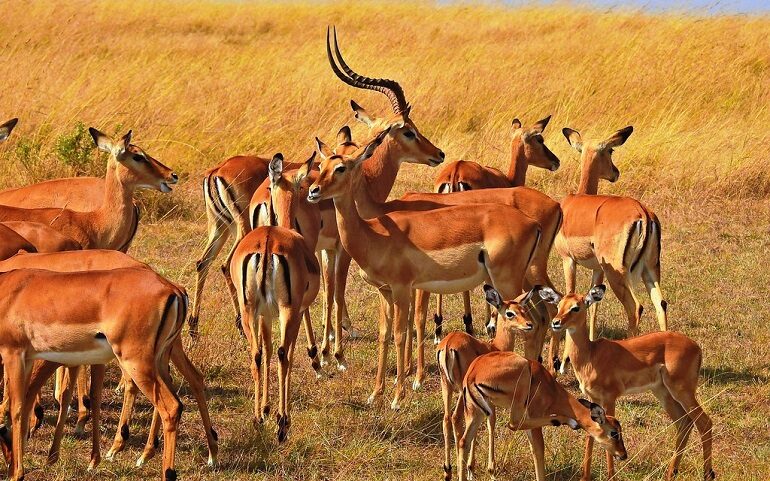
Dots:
(199, 82)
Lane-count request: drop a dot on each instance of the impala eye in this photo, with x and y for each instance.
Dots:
(575, 309)
(510, 314)
(340, 169)
(615, 435)
(409, 134)
(138, 158)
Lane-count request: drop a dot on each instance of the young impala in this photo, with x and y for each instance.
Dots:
(96, 260)
(616, 237)
(535, 399)
(456, 352)
(133, 315)
(276, 276)
(400, 251)
(665, 363)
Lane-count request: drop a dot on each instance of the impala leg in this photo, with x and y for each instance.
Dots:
(587, 458)
(339, 354)
(401, 299)
(41, 372)
(596, 278)
(330, 258)
(153, 441)
(683, 425)
(446, 426)
(438, 318)
(340, 283)
(468, 313)
(195, 379)
(473, 418)
(219, 232)
(70, 373)
(610, 410)
(97, 386)
(266, 335)
(491, 420)
(410, 328)
(383, 342)
(84, 401)
(621, 286)
(537, 445)
(231, 289)
(312, 347)
(570, 270)
(18, 370)
(290, 321)
(651, 277)
(123, 432)
(685, 396)
(421, 314)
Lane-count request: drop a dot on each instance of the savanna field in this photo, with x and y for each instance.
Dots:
(201, 81)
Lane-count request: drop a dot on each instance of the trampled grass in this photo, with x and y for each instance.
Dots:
(200, 81)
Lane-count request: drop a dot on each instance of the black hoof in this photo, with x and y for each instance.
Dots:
(170, 474)
(468, 321)
(556, 364)
(283, 428)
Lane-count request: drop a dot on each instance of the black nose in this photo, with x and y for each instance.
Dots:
(529, 325)
(315, 190)
(441, 154)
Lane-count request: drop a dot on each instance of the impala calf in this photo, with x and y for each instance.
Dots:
(616, 237)
(130, 314)
(665, 363)
(535, 399)
(400, 251)
(456, 352)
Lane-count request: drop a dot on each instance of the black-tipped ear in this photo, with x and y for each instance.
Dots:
(619, 138)
(275, 168)
(361, 114)
(492, 296)
(372, 146)
(549, 295)
(344, 136)
(125, 141)
(323, 149)
(305, 169)
(530, 294)
(516, 124)
(595, 294)
(102, 141)
(6, 128)
(585, 402)
(540, 125)
(573, 137)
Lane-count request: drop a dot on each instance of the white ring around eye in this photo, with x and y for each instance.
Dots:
(510, 314)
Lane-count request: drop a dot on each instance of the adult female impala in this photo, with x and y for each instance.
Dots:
(535, 399)
(456, 352)
(96, 260)
(130, 314)
(129, 168)
(229, 187)
(666, 363)
(616, 237)
(276, 275)
(399, 252)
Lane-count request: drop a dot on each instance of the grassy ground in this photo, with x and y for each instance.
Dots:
(202, 81)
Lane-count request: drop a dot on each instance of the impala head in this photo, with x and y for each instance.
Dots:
(403, 136)
(572, 307)
(339, 172)
(512, 314)
(284, 191)
(530, 139)
(345, 145)
(138, 168)
(605, 430)
(6, 128)
(596, 156)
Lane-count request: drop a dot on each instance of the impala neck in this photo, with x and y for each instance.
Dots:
(111, 225)
(368, 207)
(572, 408)
(380, 170)
(353, 230)
(581, 345)
(517, 172)
(504, 340)
(589, 179)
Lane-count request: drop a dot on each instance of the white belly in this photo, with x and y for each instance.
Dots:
(454, 286)
(101, 353)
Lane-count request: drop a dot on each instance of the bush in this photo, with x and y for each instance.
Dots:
(75, 150)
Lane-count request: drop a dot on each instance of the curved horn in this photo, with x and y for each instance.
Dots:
(390, 88)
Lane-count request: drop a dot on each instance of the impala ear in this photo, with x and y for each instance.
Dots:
(528, 296)
(595, 295)
(618, 138)
(598, 415)
(275, 168)
(516, 124)
(323, 149)
(549, 295)
(372, 146)
(573, 137)
(344, 136)
(361, 114)
(6, 128)
(303, 171)
(102, 141)
(540, 125)
(122, 144)
(492, 296)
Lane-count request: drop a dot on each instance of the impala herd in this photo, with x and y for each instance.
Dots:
(71, 296)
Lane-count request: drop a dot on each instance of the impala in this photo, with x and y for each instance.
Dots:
(229, 187)
(400, 252)
(276, 275)
(129, 168)
(535, 399)
(665, 363)
(44, 238)
(96, 260)
(456, 352)
(78, 318)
